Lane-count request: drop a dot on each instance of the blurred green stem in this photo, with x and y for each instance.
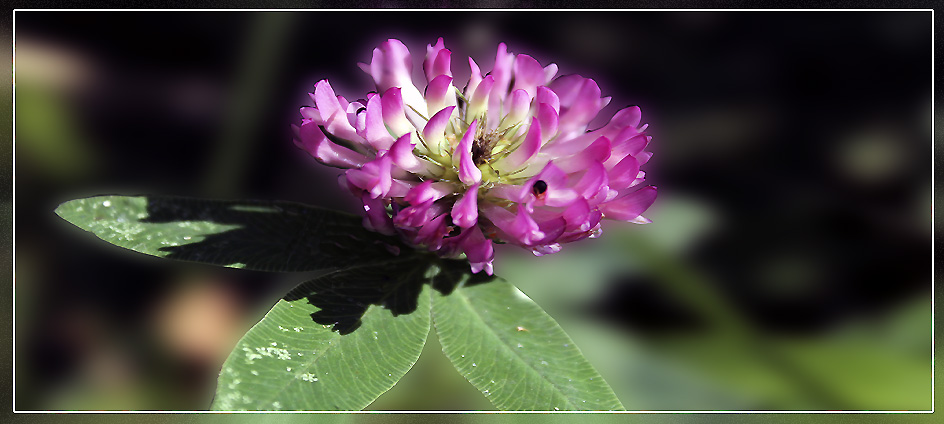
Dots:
(265, 47)
(724, 319)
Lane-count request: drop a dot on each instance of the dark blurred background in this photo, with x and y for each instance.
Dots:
(788, 265)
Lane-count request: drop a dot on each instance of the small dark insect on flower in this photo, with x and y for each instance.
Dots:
(540, 187)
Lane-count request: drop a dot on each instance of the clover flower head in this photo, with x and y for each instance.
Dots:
(508, 159)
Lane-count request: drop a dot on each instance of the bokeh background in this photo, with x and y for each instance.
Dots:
(788, 267)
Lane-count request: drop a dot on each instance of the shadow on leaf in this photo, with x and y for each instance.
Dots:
(343, 296)
(271, 236)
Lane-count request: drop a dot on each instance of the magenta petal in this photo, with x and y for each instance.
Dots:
(468, 172)
(333, 114)
(376, 218)
(314, 141)
(374, 177)
(437, 60)
(549, 120)
(478, 249)
(643, 157)
(628, 117)
(432, 233)
(577, 110)
(528, 74)
(546, 249)
(402, 154)
(577, 216)
(480, 98)
(546, 95)
(631, 205)
(502, 71)
(325, 99)
(597, 152)
(434, 131)
(375, 132)
(413, 216)
(474, 78)
(393, 115)
(524, 228)
(391, 65)
(592, 182)
(442, 64)
(624, 173)
(550, 71)
(465, 211)
(440, 94)
(399, 188)
(518, 110)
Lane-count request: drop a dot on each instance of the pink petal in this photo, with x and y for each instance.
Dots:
(376, 218)
(479, 250)
(374, 177)
(624, 173)
(549, 120)
(546, 249)
(528, 74)
(593, 181)
(550, 71)
(440, 94)
(525, 229)
(474, 79)
(375, 131)
(437, 60)
(392, 111)
(631, 205)
(434, 133)
(334, 116)
(468, 172)
(596, 152)
(546, 95)
(502, 71)
(580, 102)
(399, 188)
(465, 211)
(356, 117)
(518, 110)
(427, 191)
(402, 154)
(643, 157)
(313, 140)
(479, 99)
(577, 216)
(432, 233)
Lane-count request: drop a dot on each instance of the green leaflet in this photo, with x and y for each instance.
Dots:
(515, 353)
(258, 235)
(288, 362)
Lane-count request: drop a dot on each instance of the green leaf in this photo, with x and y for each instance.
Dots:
(514, 353)
(288, 362)
(258, 235)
